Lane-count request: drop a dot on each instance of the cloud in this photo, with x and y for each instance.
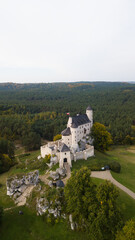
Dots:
(67, 40)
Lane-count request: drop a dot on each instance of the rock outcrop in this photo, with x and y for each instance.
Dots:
(44, 206)
(54, 175)
(59, 173)
(18, 184)
(62, 172)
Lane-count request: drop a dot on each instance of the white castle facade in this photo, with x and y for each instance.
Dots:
(75, 143)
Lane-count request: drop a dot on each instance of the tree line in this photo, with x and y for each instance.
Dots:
(35, 111)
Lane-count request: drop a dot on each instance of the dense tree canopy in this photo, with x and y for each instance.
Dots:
(93, 208)
(102, 138)
(108, 217)
(80, 196)
(7, 147)
(6, 155)
(42, 108)
(128, 231)
(32, 141)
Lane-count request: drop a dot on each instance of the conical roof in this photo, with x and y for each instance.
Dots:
(66, 132)
(64, 148)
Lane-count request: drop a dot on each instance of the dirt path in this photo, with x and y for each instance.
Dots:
(107, 175)
(7, 209)
(22, 199)
(68, 174)
(44, 178)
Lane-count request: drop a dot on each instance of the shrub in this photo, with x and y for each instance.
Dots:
(115, 167)
(47, 158)
(95, 167)
(57, 137)
(5, 163)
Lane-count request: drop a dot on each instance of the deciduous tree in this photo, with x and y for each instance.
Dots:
(102, 138)
(128, 231)
(80, 196)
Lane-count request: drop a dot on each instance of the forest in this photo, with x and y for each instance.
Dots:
(31, 112)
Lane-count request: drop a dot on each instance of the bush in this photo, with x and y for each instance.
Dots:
(115, 167)
(57, 137)
(95, 167)
(5, 163)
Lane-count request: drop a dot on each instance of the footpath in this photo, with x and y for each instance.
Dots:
(107, 176)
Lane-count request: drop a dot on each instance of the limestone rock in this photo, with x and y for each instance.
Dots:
(50, 183)
(54, 175)
(72, 224)
(50, 164)
(42, 206)
(61, 171)
(54, 160)
(20, 183)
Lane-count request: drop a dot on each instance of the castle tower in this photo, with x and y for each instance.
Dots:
(74, 136)
(89, 113)
(69, 122)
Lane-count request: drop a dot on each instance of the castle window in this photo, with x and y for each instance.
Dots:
(65, 153)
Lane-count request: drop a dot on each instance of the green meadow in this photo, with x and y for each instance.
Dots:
(29, 226)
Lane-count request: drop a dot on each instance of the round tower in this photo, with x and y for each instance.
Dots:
(89, 113)
(74, 136)
(69, 122)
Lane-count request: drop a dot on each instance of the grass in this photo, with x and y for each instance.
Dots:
(5, 200)
(122, 154)
(54, 167)
(31, 227)
(126, 157)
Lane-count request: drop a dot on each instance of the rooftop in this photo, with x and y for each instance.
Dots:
(80, 120)
(64, 148)
(66, 132)
(89, 108)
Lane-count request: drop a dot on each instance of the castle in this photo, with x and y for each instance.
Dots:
(75, 143)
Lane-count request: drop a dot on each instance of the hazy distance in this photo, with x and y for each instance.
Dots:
(74, 40)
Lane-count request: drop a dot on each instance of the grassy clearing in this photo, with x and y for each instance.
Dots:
(5, 200)
(31, 227)
(124, 155)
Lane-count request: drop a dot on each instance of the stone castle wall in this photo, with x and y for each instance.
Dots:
(89, 152)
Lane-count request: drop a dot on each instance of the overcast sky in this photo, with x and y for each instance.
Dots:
(67, 40)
